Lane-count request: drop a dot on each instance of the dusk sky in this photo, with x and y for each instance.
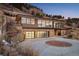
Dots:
(64, 9)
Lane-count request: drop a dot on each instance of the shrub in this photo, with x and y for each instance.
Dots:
(69, 36)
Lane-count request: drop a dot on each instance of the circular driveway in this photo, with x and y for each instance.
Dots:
(39, 47)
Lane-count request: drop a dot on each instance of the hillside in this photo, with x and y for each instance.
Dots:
(21, 7)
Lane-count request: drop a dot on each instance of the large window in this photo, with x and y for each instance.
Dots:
(41, 34)
(41, 23)
(29, 35)
(57, 25)
(48, 23)
(27, 21)
(44, 23)
(23, 20)
(62, 25)
(38, 34)
(32, 21)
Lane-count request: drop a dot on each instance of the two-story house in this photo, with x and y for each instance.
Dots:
(35, 27)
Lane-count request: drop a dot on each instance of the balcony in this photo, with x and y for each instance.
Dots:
(37, 26)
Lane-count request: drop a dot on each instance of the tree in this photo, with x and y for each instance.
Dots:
(70, 21)
(57, 16)
(39, 15)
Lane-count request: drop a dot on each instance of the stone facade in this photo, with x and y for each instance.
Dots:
(75, 33)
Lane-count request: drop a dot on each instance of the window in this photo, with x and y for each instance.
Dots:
(27, 21)
(62, 25)
(41, 34)
(40, 23)
(48, 23)
(57, 25)
(32, 21)
(38, 34)
(44, 23)
(23, 20)
(29, 35)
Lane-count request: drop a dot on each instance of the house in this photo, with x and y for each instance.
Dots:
(31, 26)
(34, 27)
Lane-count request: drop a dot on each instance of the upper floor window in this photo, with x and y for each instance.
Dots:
(41, 23)
(23, 20)
(32, 21)
(55, 24)
(27, 21)
(62, 25)
(58, 25)
(44, 23)
(48, 23)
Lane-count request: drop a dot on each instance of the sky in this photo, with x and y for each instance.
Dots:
(64, 9)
